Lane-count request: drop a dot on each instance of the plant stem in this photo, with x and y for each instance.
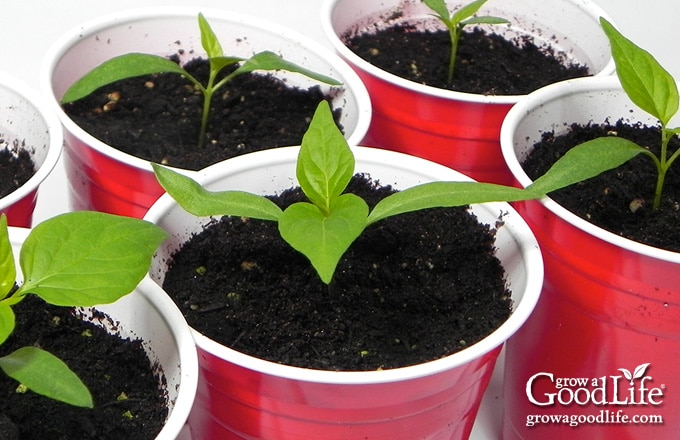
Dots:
(663, 165)
(205, 112)
(673, 157)
(14, 299)
(659, 187)
(208, 92)
(454, 34)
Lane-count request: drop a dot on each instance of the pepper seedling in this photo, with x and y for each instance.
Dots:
(78, 259)
(324, 227)
(457, 21)
(650, 87)
(139, 64)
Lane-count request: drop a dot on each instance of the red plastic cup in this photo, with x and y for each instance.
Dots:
(103, 178)
(26, 123)
(607, 325)
(240, 396)
(459, 130)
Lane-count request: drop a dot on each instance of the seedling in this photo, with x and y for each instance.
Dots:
(79, 259)
(324, 227)
(457, 21)
(138, 64)
(651, 88)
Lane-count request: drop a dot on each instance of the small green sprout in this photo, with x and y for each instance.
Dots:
(139, 64)
(653, 89)
(324, 228)
(78, 259)
(457, 21)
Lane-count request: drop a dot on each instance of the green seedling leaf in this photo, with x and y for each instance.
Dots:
(7, 321)
(135, 64)
(466, 11)
(209, 40)
(270, 61)
(324, 229)
(47, 375)
(653, 89)
(118, 68)
(8, 272)
(75, 259)
(580, 163)
(219, 63)
(442, 195)
(193, 198)
(7, 280)
(644, 80)
(324, 238)
(441, 9)
(585, 161)
(487, 19)
(213, 48)
(456, 22)
(87, 258)
(324, 173)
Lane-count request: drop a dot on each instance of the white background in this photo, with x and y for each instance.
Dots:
(29, 27)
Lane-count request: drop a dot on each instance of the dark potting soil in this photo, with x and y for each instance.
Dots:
(157, 117)
(412, 288)
(16, 168)
(619, 200)
(486, 63)
(129, 400)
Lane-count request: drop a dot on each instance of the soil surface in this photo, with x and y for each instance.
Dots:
(16, 168)
(486, 63)
(619, 200)
(157, 117)
(412, 288)
(108, 365)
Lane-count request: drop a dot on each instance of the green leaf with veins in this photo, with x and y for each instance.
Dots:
(441, 195)
(466, 11)
(644, 80)
(585, 161)
(580, 163)
(325, 163)
(651, 88)
(198, 201)
(74, 259)
(324, 229)
(47, 375)
(87, 258)
(457, 21)
(7, 281)
(324, 238)
(209, 40)
(270, 61)
(118, 68)
(441, 9)
(7, 321)
(8, 272)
